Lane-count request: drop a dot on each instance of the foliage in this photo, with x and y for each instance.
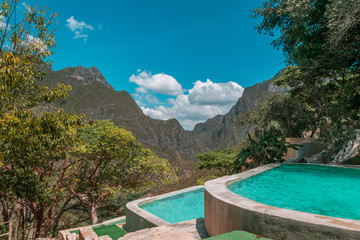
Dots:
(202, 180)
(316, 35)
(334, 102)
(35, 160)
(113, 161)
(264, 150)
(281, 114)
(26, 43)
(34, 149)
(321, 38)
(221, 160)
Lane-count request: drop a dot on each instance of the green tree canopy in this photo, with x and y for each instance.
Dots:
(321, 39)
(281, 114)
(221, 160)
(112, 162)
(35, 160)
(319, 36)
(26, 44)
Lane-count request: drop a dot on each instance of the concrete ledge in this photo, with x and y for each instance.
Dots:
(137, 218)
(226, 211)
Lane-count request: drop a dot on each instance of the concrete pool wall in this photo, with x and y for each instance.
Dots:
(226, 211)
(137, 218)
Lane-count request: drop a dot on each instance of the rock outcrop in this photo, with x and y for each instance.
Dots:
(351, 149)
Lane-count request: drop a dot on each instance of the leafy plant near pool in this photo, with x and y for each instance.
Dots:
(264, 150)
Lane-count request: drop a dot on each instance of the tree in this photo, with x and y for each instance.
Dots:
(281, 114)
(35, 160)
(320, 38)
(221, 160)
(29, 150)
(114, 162)
(264, 150)
(26, 44)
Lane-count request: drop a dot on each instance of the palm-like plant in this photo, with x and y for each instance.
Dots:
(267, 149)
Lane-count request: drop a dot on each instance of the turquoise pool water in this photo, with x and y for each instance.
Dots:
(178, 208)
(324, 190)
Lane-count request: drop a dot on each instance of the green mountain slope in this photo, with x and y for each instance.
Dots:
(92, 95)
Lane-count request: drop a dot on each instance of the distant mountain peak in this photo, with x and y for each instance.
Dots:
(86, 76)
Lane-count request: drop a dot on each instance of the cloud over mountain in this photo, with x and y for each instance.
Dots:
(203, 101)
(210, 93)
(159, 83)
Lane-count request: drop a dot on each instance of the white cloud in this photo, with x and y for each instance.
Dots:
(35, 44)
(144, 99)
(209, 93)
(141, 90)
(78, 28)
(203, 101)
(185, 112)
(159, 83)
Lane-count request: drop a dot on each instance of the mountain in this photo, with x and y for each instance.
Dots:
(92, 95)
(222, 131)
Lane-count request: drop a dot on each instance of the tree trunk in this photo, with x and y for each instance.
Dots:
(39, 220)
(93, 215)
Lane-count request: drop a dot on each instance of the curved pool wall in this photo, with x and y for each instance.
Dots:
(226, 211)
(138, 218)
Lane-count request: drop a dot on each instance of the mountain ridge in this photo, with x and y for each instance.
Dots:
(93, 96)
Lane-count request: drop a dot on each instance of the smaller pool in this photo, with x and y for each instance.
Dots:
(178, 208)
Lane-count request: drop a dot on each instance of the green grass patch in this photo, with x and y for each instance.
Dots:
(112, 231)
(238, 235)
(75, 231)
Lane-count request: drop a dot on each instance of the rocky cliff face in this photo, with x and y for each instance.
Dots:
(81, 76)
(222, 130)
(93, 96)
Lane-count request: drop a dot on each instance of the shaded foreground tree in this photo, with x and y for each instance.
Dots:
(112, 161)
(321, 39)
(319, 36)
(283, 115)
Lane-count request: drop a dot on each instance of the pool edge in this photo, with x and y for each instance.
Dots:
(138, 218)
(226, 211)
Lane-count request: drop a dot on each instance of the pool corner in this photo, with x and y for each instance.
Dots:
(138, 218)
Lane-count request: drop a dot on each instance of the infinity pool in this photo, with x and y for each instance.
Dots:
(178, 208)
(324, 190)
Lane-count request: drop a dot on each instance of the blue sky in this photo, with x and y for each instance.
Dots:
(184, 59)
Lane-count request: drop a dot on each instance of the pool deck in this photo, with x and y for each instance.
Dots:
(226, 211)
(137, 218)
